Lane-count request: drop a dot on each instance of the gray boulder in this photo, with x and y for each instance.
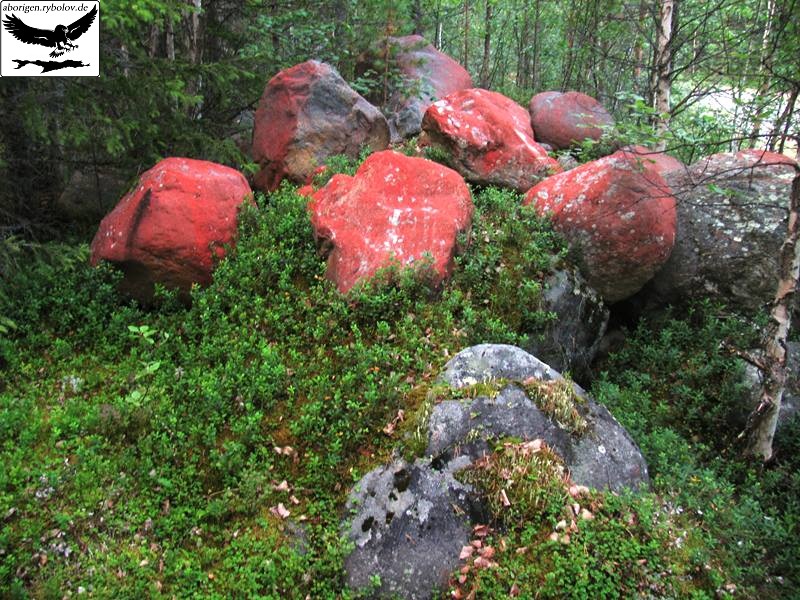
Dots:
(571, 341)
(409, 522)
(418, 75)
(602, 455)
(732, 212)
(307, 114)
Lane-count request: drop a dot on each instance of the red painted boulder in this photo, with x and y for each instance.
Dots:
(419, 75)
(564, 119)
(307, 114)
(171, 227)
(488, 139)
(396, 209)
(621, 219)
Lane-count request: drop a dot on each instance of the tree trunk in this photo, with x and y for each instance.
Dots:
(764, 68)
(764, 419)
(788, 121)
(195, 50)
(170, 40)
(638, 46)
(487, 42)
(465, 56)
(663, 82)
(417, 17)
(535, 75)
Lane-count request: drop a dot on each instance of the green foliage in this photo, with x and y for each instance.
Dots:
(692, 383)
(169, 419)
(680, 395)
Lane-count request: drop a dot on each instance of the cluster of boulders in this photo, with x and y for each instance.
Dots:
(639, 221)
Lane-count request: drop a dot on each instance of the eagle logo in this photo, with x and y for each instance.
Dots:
(61, 37)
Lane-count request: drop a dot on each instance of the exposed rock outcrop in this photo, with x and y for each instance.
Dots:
(416, 75)
(564, 119)
(732, 212)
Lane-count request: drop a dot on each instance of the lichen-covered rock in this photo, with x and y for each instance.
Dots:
(564, 119)
(488, 139)
(571, 341)
(307, 114)
(396, 209)
(732, 212)
(599, 453)
(618, 215)
(419, 75)
(172, 226)
(409, 523)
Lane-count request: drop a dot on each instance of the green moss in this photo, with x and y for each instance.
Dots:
(559, 401)
(523, 482)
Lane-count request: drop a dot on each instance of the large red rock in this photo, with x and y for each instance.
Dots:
(620, 218)
(488, 139)
(395, 209)
(564, 119)
(418, 75)
(307, 114)
(172, 227)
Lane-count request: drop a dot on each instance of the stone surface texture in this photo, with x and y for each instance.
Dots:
(564, 119)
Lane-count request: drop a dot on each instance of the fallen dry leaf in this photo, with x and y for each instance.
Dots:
(294, 500)
(481, 530)
(586, 515)
(283, 486)
(466, 552)
(391, 426)
(504, 498)
(476, 543)
(486, 552)
(484, 563)
(514, 591)
(280, 511)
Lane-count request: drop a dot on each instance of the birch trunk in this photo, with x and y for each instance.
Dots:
(764, 419)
